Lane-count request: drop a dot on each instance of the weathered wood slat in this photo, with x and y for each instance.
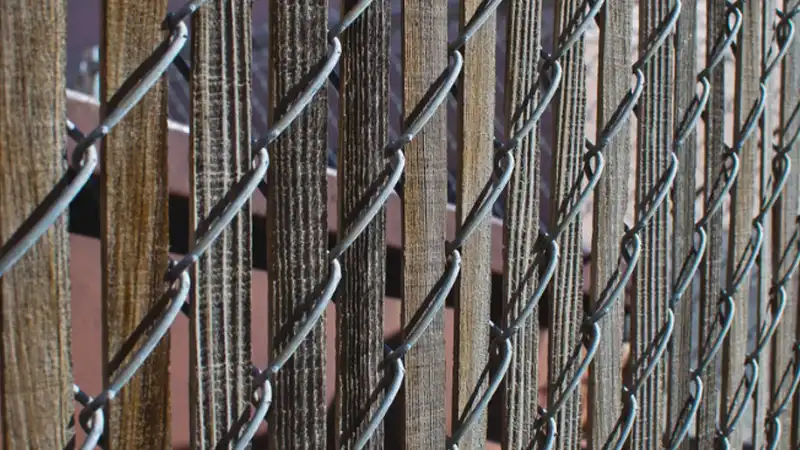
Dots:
(744, 200)
(566, 312)
(680, 350)
(424, 197)
(786, 210)
(220, 155)
(711, 276)
(521, 223)
(473, 289)
(652, 282)
(764, 268)
(610, 201)
(296, 226)
(37, 406)
(364, 112)
(134, 216)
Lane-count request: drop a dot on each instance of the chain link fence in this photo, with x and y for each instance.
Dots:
(170, 58)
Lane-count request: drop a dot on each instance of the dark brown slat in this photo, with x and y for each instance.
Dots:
(424, 59)
(220, 329)
(364, 116)
(610, 202)
(711, 276)
(652, 282)
(680, 350)
(473, 289)
(785, 217)
(744, 201)
(566, 312)
(296, 225)
(135, 225)
(37, 405)
(521, 225)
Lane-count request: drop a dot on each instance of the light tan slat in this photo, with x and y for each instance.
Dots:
(37, 405)
(134, 229)
(473, 290)
(424, 200)
(744, 201)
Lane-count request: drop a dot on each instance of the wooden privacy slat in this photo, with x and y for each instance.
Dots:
(763, 270)
(296, 225)
(566, 312)
(711, 277)
(364, 113)
(473, 290)
(37, 405)
(610, 201)
(652, 283)
(785, 222)
(134, 226)
(683, 198)
(424, 24)
(220, 152)
(744, 203)
(521, 224)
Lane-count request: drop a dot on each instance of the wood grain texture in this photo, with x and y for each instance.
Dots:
(791, 96)
(521, 224)
(36, 372)
(297, 224)
(364, 122)
(711, 276)
(763, 270)
(424, 25)
(566, 312)
(134, 226)
(785, 223)
(610, 201)
(473, 294)
(745, 203)
(220, 153)
(683, 237)
(652, 281)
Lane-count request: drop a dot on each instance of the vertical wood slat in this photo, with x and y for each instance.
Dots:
(424, 29)
(786, 210)
(364, 112)
(566, 312)
(521, 224)
(711, 279)
(652, 283)
(134, 226)
(297, 223)
(764, 268)
(610, 202)
(476, 106)
(744, 201)
(680, 350)
(220, 154)
(37, 406)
